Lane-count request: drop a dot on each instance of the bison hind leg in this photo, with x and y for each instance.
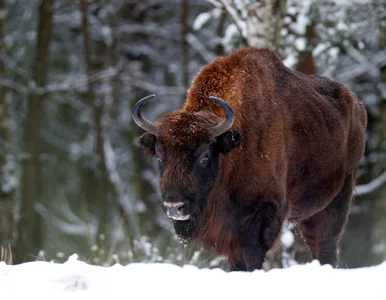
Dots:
(236, 264)
(323, 230)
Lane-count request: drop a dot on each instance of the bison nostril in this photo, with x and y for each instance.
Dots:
(174, 209)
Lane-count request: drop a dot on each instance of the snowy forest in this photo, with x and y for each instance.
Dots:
(72, 176)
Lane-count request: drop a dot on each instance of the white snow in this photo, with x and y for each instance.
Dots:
(302, 10)
(231, 33)
(201, 20)
(290, 61)
(300, 44)
(287, 238)
(78, 280)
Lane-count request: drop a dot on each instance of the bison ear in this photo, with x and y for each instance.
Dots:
(228, 140)
(147, 142)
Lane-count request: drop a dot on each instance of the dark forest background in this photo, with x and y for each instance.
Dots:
(72, 177)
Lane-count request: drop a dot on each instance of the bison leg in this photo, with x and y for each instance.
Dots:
(236, 265)
(263, 229)
(323, 230)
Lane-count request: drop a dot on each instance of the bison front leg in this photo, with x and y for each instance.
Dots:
(263, 227)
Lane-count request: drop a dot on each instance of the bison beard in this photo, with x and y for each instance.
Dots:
(185, 230)
(257, 144)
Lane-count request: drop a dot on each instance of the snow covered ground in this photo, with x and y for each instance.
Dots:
(78, 280)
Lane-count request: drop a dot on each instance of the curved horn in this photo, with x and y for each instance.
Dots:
(229, 117)
(139, 119)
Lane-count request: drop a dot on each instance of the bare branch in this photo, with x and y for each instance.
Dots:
(359, 57)
(378, 60)
(70, 226)
(236, 18)
(78, 83)
(156, 89)
(200, 48)
(13, 85)
(149, 29)
(125, 204)
(215, 3)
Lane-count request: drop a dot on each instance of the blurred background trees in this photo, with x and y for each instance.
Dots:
(72, 178)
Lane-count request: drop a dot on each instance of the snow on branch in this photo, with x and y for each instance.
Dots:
(253, 19)
(149, 29)
(13, 85)
(78, 83)
(69, 222)
(371, 186)
(200, 48)
(378, 60)
(7, 148)
(359, 57)
(215, 3)
(236, 17)
(119, 185)
(156, 89)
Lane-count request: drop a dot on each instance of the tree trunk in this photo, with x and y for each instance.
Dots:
(220, 30)
(263, 20)
(7, 162)
(259, 24)
(306, 63)
(97, 106)
(7, 167)
(142, 189)
(379, 207)
(29, 240)
(382, 106)
(280, 10)
(96, 180)
(185, 44)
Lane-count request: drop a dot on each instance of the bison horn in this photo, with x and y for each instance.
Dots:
(139, 119)
(229, 117)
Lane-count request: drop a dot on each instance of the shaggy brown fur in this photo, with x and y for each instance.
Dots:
(303, 138)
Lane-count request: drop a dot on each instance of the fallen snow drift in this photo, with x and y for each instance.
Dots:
(78, 280)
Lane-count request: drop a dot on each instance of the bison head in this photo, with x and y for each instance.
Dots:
(188, 147)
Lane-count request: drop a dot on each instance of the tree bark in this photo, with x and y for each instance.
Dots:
(95, 177)
(306, 63)
(263, 20)
(382, 107)
(97, 106)
(259, 23)
(185, 44)
(219, 50)
(29, 240)
(280, 10)
(7, 162)
(142, 189)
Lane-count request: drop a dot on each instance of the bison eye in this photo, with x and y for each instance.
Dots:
(204, 160)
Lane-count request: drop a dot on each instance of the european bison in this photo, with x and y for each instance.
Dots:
(280, 146)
